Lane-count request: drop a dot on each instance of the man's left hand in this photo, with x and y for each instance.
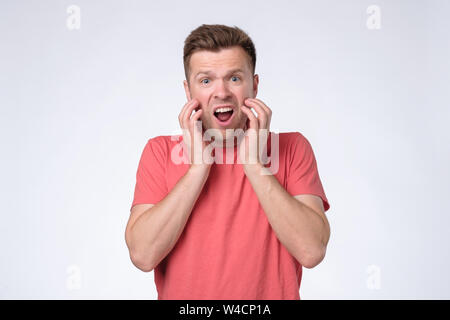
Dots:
(249, 148)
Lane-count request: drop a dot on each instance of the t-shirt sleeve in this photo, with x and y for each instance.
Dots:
(303, 175)
(151, 186)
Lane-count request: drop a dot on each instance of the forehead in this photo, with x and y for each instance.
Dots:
(223, 60)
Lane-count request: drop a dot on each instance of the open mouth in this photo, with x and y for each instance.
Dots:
(223, 114)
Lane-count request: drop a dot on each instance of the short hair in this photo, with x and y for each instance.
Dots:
(214, 37)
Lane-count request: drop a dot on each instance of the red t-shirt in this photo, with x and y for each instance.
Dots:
(228, 249)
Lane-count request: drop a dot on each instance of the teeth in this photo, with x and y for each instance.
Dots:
(224, 109)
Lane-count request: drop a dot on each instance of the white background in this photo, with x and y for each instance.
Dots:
(78, 106)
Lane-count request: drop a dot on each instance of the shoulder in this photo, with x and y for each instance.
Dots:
(293, 138)
(295, 145)
(163, 141)
(160, 146)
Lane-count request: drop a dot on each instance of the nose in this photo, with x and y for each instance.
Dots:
(221, 91)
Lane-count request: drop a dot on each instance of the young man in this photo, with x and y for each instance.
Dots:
(226, 230)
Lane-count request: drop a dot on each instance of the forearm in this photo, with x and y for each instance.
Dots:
(301, 230)
(156, 231)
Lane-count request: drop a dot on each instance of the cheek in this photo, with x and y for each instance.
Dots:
(206, 117)
(242, 118)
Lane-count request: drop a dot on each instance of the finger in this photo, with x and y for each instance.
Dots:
(186, 107)
(183, 110)
(194, 120)
(266, 109)
(263, 105)
(187, 113)
(194, 104)
(253, 121)
(251, 136)
(262, 115)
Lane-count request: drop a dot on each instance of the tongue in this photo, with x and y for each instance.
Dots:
(224, 116)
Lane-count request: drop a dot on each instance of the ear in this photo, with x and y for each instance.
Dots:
(187, 91)
(255, 85)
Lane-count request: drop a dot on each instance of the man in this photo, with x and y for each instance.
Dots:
(221, 230)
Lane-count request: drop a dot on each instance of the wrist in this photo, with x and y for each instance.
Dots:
(200, 168)
(252, 168)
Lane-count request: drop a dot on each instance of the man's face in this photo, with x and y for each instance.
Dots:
(221, 78)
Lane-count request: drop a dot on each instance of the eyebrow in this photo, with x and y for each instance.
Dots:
(207, 72)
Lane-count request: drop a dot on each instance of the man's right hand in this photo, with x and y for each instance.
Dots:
(153, 229)
(193, 133)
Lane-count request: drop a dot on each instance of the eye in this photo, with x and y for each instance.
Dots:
(235, 77)
(203, 80)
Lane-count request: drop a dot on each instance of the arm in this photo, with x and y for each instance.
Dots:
(153, 230)
(299, 222)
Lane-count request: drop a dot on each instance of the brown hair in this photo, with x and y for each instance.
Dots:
(214, 37)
